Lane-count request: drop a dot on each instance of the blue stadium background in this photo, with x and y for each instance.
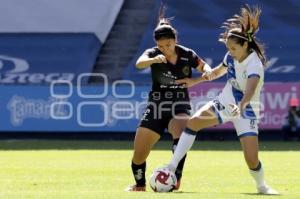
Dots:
(106, 37)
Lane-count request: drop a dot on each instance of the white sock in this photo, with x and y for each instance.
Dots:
(185, 143)
(258, 176)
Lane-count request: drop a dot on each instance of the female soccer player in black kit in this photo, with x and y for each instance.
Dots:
(168, 104)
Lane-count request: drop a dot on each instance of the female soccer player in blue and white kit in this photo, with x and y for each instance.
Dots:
(239, 101)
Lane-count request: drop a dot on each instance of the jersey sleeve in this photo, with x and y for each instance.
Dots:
(255, 69)
(225, 59)
(151, 52)
(195, 60)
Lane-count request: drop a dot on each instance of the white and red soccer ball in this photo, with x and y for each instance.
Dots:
(162, 180)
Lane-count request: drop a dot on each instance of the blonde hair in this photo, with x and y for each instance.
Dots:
(243, 28)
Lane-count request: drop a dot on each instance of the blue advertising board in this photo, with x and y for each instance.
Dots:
(39, 58)
(67, 108)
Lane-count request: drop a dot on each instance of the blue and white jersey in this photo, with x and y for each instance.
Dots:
(237, 76)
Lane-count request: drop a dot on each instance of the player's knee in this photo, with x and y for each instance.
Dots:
(176, 127)
(176, 134)
(176, 130)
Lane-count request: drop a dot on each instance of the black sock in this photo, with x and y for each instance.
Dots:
(179, 168)
(139, 173)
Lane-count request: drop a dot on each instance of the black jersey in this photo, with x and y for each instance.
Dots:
(165, 74)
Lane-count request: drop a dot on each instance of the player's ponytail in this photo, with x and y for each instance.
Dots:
(164, 29)
(243, 28)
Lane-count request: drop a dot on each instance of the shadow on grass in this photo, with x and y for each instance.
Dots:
(128, 145)
(262, 195)
(177, 192)
(183, 192)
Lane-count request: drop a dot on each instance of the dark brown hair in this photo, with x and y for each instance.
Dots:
(164, 29)
(243, 28)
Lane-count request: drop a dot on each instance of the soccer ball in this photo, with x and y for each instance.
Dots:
(162, 180)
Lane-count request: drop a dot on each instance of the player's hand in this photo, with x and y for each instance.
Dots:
(243, 106)
(160, 59)
(235, 110)
(208, 75)
(186, 82)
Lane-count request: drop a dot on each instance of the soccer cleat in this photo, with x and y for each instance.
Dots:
(135, 188)
(177, 186)
(267, 190)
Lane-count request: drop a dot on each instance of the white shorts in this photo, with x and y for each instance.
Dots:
(243, 126)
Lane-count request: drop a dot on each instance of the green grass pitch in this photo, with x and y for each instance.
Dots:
(101, 170)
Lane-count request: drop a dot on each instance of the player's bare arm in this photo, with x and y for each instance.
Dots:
(250, 90)
(145, 61)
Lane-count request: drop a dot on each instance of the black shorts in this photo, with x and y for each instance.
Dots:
(158, 115)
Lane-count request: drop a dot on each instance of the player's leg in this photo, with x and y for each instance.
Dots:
(143, 143)
(176, 125)
(148, 133)
(250, 148)
(205, 117)
(247, 132)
